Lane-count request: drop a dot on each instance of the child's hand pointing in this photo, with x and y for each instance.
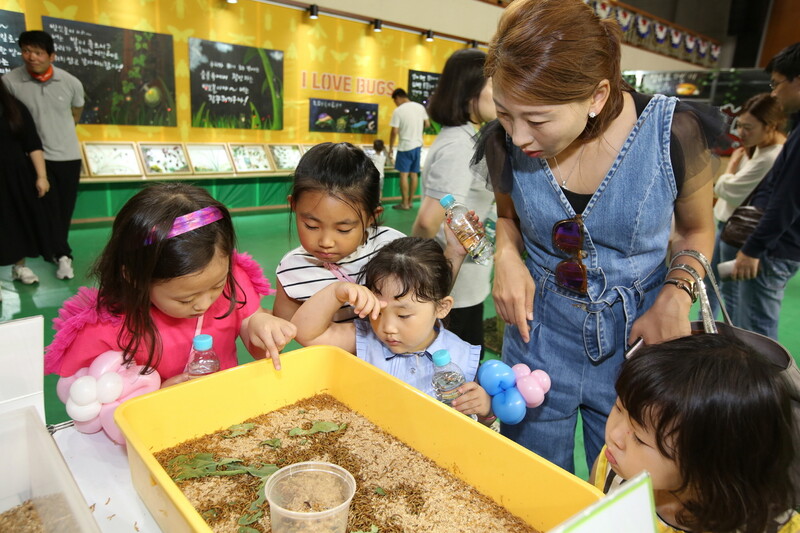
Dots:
(264, 333)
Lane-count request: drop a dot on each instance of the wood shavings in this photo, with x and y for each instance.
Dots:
(22, 518)
(417, 496)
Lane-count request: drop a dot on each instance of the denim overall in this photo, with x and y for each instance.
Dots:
(580, 340)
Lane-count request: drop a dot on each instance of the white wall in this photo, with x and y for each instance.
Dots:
(637, 59)
(471, 19)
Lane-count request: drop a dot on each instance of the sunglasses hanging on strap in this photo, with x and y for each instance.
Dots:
(767, 347)
(568, 238)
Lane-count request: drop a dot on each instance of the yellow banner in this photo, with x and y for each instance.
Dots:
(327, 58)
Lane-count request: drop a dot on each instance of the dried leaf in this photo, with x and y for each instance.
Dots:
(209, 514)
(249, 518)
(238, 430)
(317, 427)
(272, 443)
(200, 465)
(245, 529)
(379, 491)
(261, 471)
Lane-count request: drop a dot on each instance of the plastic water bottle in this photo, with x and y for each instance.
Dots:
(490, 227)
(447, 377)
(202, 361)
(479, 247)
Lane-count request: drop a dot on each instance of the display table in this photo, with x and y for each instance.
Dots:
(100, 469)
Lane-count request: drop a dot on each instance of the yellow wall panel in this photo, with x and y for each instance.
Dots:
(328, 58)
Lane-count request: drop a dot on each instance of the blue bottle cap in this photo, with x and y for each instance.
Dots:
(441, 357)
(203, 342)
(446, 200)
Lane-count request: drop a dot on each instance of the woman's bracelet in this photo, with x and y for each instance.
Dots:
(688, 269)
(699, 257)
(682, 284)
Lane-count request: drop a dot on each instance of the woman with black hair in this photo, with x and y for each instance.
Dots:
(23, 182)
(461, 103)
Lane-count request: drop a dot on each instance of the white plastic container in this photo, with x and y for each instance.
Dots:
(325, 489)
(726, 269)
(33, 469)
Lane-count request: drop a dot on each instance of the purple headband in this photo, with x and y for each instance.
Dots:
(189, 222)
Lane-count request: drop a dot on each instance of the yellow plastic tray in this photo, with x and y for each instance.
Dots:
(534, 489)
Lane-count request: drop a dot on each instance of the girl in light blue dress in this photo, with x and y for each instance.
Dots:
(400, 309)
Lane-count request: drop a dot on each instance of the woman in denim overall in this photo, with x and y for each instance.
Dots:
(588, 193)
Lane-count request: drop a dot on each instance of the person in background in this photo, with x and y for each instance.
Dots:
(169, 272)
(759, 127)
(461, 103)
(408, 122)
(711, 420)
(55, 99)
(771, 255)
(379, 159)
(336, 203)
(591, 177)
(400, 308)
(23, 182)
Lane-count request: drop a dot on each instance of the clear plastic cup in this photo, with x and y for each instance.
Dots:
(310, 497)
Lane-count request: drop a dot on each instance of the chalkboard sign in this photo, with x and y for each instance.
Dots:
(421, 85)
(342, 117)
(128, 76)
(235, 86)
(420, 88)
(11, 25)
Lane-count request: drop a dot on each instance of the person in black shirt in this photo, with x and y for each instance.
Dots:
(771, 255)
(27, 227)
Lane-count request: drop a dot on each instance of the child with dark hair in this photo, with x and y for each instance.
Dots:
(710, 420)
(335, 199)
(168, 273)
(400, 307)
(378, 157)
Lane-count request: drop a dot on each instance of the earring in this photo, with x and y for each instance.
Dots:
(592, 114)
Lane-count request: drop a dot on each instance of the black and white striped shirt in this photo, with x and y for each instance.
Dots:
(302, 275)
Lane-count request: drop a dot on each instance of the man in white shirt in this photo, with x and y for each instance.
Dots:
(408, 122)
(55, 99)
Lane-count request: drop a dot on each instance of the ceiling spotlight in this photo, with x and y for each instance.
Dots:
(232, 1)
(377, 25)
(313, 11)
(429, 36)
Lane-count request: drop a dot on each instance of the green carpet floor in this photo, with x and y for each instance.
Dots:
(266, 237)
